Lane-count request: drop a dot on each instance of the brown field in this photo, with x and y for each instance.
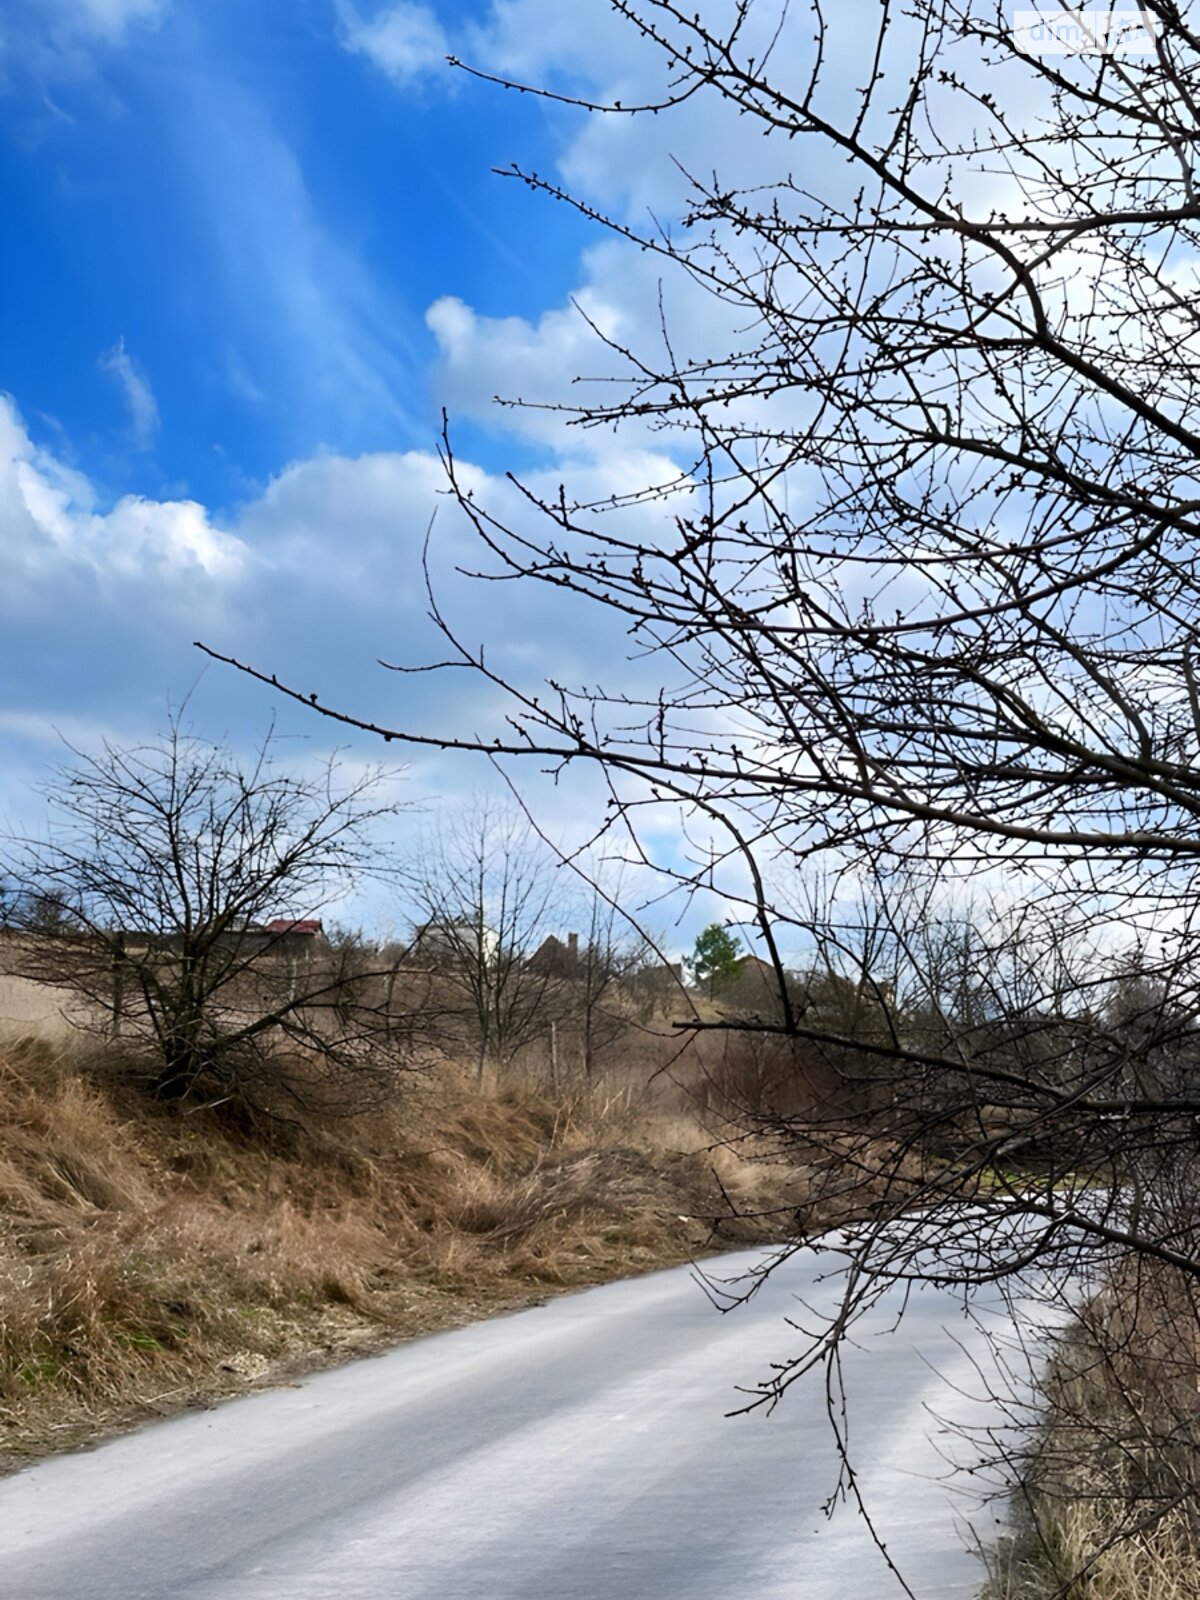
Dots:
(27, 1007)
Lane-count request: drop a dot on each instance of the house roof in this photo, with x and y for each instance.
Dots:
(753, 963)
(552, 954)
(305, 925)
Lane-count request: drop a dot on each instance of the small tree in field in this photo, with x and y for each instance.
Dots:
(714, 958)
(484, 894)
(163, 863)
(611, 952)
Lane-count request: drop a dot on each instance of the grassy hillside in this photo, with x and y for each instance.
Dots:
(152, 1259)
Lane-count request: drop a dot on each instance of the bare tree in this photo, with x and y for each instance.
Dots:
(921, 604)
(177, 896)
(484, 893)
(611, 951)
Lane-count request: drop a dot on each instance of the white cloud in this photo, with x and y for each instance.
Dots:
(50, 528)
(571, 355)
(332, 547)
(315, 578)
(531, 40)
(485, 357)
(351, 525)
(137, 393)
(404, 40)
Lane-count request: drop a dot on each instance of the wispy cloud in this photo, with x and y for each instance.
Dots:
(308, 326)
(137, 393)
(108, 19)
(53, 40)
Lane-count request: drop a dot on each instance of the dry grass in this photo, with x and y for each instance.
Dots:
(151, 1259)
(1113, 1485)
(1161, 1565)
(1068, 1557)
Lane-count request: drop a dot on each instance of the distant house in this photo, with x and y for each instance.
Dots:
(291, 944)
(294, 937)
(658, 978)
(301, 936)
(455, 938)
(752, 987)
(748, 975)
(554, 959)
(751, 967)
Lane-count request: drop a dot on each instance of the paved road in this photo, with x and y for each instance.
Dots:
(576, 1451)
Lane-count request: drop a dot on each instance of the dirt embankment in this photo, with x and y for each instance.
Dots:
(152, 1260)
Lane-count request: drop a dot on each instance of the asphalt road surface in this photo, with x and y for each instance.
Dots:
(575, 1451)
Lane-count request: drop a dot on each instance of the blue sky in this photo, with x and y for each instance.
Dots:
(252, 251)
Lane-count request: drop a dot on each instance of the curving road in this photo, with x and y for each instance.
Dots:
(576, 1451)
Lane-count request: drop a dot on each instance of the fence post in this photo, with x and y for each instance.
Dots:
(118, 984)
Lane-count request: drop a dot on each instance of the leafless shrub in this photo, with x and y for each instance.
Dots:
(177, 898)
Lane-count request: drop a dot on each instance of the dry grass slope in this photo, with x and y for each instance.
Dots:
(149, 1260)
(1110, 1486)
